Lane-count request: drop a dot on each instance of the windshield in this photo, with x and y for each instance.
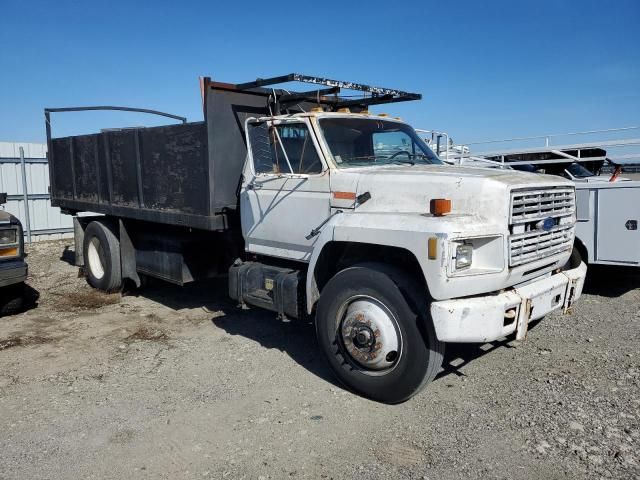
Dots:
(361, 142)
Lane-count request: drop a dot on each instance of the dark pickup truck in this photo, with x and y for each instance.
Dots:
(13, 268)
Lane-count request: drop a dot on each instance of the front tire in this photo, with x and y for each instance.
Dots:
(377, 334)
(12, 299)
(574, 260)
(101, 251)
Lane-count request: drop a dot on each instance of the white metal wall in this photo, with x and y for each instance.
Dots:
(47, 223)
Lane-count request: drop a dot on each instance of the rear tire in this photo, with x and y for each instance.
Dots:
(101, 250)
(374, 327)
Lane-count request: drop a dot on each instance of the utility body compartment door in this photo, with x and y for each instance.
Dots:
(285, 190)
(618, 219)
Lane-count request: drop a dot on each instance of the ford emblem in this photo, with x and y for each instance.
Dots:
(546, 224)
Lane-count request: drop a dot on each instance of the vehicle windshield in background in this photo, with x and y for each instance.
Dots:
(363, 142)
(579, 171)
(575, 169)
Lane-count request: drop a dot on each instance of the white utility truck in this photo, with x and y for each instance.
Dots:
(607, 205)
(316, 208)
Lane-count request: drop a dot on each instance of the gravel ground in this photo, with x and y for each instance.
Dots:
(178, 383)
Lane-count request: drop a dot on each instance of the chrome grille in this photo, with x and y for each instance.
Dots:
(533, 205)
(528, 241)
(530, 246)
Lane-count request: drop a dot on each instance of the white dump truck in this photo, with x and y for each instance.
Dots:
(317, 209)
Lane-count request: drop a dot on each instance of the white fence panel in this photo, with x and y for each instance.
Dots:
(45, 222)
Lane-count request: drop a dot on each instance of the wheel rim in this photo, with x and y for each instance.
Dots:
(369, 335)
(94, 257)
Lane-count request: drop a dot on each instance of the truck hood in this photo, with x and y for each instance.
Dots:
(476, 191)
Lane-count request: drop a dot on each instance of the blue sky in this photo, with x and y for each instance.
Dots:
(486, 70)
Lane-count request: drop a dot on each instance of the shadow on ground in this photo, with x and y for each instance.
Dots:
(68, 256)
(459, 355)
(611, 281)
(296, 338)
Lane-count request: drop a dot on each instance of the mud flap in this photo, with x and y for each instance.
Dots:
(127, 256)
(78, 239)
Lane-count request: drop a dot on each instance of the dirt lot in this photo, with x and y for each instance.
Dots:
(178, 383)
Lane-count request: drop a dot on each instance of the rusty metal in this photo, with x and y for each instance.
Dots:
(279, 99)
(523, 320)
(370, 335)
(110, 107)
(297, 77)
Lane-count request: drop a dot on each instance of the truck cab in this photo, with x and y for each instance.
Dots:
(338, 190)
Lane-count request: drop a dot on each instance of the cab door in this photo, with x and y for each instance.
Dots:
(285, 190)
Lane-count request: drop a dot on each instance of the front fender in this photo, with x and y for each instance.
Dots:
(400, 230)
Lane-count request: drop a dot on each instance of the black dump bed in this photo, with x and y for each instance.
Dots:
(184, 174)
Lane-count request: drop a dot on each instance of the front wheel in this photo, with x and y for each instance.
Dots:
(11, 299)
(377, 334)
(574, 260)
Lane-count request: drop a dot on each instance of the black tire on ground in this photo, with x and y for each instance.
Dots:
(419, 355)
(574, 260)
(101, 251)
(11, 299)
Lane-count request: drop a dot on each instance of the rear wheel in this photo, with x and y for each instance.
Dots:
(102, 257)
(377, 334)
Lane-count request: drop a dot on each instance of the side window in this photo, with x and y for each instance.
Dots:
(389, 143)
(272, 146)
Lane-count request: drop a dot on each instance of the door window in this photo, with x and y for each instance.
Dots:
(284, 148)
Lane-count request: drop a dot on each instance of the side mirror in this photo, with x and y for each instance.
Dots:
(3, 198)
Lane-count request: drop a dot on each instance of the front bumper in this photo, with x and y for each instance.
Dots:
(487, 318)
(13, 271)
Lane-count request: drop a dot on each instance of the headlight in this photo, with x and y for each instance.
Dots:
(8, 236)
(464, 256)
(476, 255)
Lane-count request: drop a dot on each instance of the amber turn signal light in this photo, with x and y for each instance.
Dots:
(440, 206)
(344, 195)
(432, 248)
(8, 252)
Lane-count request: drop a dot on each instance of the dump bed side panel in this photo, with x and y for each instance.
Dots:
(157, 174)
(175, 168)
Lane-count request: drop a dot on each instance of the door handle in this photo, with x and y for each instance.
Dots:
(254, 186)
